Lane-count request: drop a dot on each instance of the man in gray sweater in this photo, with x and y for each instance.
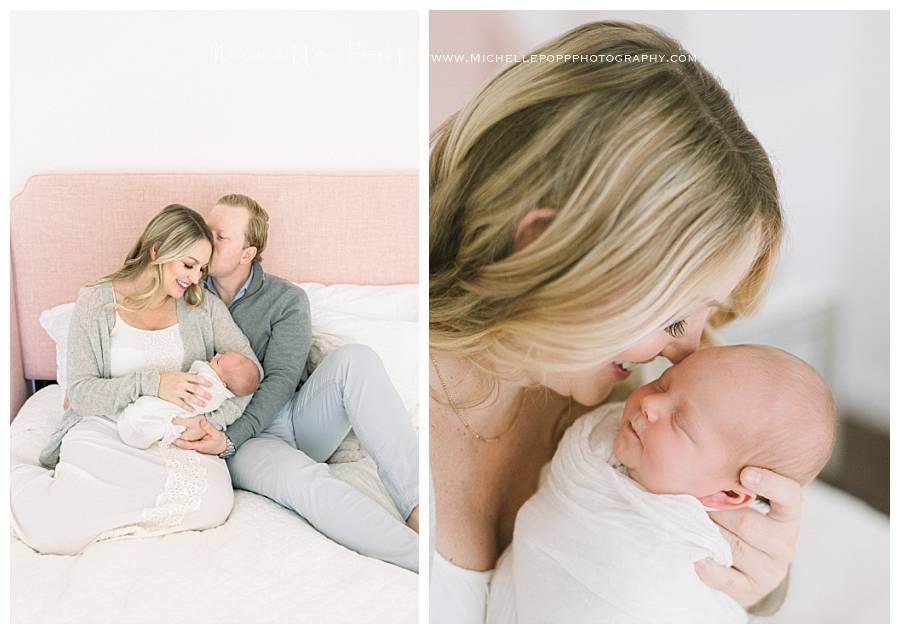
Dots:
(278, 447)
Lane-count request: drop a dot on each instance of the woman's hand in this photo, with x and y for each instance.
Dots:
(762, 546)
(193, 429)
(185, 389)
(212, 443)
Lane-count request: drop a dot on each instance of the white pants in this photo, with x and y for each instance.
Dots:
(102, 488)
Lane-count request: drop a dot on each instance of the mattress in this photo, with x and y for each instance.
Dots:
(264, 565)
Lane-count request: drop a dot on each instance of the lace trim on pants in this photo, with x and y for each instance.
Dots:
(186, 483)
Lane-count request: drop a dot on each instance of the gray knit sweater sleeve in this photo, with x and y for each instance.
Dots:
(90, 393)
(277, 317)
(227, 337)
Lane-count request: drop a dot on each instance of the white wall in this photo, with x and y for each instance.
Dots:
(813, 87)
(243, 91)
(815, 91)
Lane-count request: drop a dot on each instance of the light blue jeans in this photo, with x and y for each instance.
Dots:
(286, 462)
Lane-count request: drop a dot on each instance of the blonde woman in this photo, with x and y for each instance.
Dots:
(588, 214)
(134, 333)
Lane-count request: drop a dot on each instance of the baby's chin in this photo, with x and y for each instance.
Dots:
(620, 446)
(620, 451)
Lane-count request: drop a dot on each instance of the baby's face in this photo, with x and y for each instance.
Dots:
(680, 433)
(233, 369)
(223, 363)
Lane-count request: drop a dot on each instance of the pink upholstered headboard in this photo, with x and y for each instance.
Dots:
(70, 229)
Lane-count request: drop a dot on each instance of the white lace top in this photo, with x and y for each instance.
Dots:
(133, 349)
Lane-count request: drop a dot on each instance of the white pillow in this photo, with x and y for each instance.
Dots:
(391, 302)
(55, 322)
(396, 342)
(321, 345)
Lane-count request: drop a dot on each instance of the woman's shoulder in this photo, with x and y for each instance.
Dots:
(94, 297)
(95, 290)
(94, 305)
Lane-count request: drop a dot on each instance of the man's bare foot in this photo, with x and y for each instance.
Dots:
(413, 520)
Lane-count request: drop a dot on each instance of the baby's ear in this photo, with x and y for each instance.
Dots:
(736, 498)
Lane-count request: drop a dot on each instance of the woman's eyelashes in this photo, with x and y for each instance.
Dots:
(677, 329)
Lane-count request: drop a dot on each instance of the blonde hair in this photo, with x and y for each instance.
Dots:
(656, 181)
(173, 231)
(257, 232)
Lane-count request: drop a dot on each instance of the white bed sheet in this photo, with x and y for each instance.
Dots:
(264, 565)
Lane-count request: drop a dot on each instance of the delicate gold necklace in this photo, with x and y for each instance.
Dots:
(462, 419)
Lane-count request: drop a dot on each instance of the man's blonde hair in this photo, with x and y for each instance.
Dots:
(257, 232)
(656, 181)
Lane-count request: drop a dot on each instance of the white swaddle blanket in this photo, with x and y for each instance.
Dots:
(149, 418)
(594, 546)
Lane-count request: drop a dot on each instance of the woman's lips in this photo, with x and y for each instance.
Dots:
(621, 371)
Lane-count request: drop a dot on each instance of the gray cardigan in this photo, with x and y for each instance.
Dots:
(205, 330)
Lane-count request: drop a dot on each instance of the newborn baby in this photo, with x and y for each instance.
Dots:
(621, 512)
(149, 418)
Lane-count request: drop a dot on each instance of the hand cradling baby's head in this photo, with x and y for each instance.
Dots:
(694, 428)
